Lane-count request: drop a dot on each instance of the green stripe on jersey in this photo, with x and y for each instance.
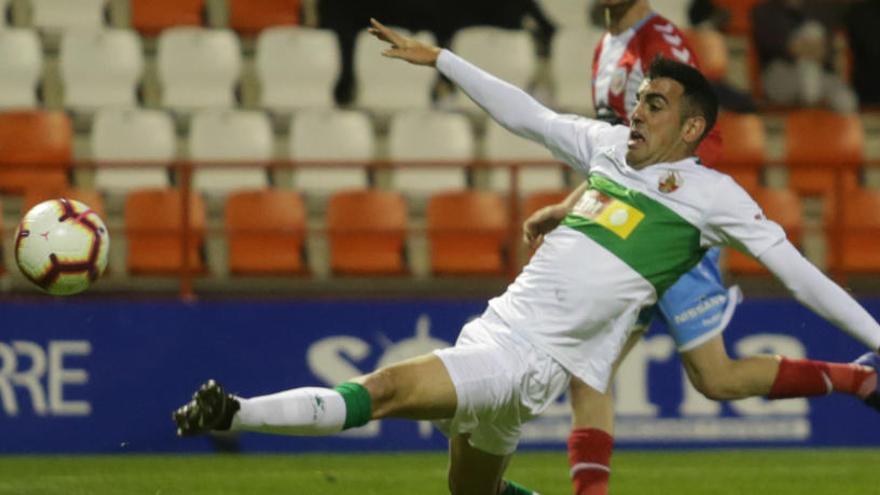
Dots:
(646, 235)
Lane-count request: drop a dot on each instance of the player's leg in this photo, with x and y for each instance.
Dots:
(591, 441)
(419, 388)
(473, 471)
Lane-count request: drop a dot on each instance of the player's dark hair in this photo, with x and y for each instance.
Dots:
(699, 97)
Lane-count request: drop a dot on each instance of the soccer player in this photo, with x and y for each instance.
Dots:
(570, 311)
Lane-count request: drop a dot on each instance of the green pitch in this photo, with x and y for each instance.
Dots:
(749, 472)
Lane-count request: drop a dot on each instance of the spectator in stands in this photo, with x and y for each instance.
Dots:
(793, 39)
(863, 31)
(705, 14)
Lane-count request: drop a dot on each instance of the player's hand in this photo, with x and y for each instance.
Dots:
(403, 47)
(541, 222)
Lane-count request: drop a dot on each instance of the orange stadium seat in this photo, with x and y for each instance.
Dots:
(154, 230)
(249, 17)
(150, 17)
(2, 236)
(860, 236)
(540, 199)
(743, 140)
(265, 232)
(91, 198)
(36, 148)
(784, 207)
(367, 231)
(711, 52)
(740, 14)
(468, 232)
(820, 144)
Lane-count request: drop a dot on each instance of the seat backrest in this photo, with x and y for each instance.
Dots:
(198, 68)
(342, 135)
(367, 230)
(430, 135)
(540, 199)
(36, 137)
(21, 64)
(507, 54)
(89, 197)
(385, 85)
(740, 14)
(100, 68)
(366, 210)
(249, 17)
(711, 50)
(150, 17)
(136, 135)
(743, 140)
(819, 137)
(160, 211)
(861, 209)
(501, 144)
(468, 231)
(567, 13)
(571, 66)
(218, 135)
(784, 207)
(60, 15)
(267, 210)
(297, 67)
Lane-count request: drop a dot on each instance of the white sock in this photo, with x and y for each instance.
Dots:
(300, 411)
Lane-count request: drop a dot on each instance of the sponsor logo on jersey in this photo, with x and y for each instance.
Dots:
(616, 216)
(670, 182)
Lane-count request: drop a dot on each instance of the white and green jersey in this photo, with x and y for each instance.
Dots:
(630, 236)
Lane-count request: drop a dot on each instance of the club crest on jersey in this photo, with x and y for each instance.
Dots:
(618, 81)
(670, 182)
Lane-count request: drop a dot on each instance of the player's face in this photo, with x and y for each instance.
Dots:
(656, 124)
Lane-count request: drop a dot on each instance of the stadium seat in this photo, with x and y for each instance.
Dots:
(220, 135)
(740, 15)
(818, 145)
(150, 17)
(385, 85)
(567, 13)
(132, 135)
(508, 54)
(540, 199)
(784, 207)
(21, 65)
(571, 67)
(468, 233)
(36, 148)
(430, 136)
(743, 141)
(297, 68)
(56, 16)
(198, 68)
(674, 10)
(860, 235)
(265, 232)
(154, 231)
(249, 17)
(711, 50)
(91, 198)
(499, 144)
(100, 68)
(323, 135)
(367, 231)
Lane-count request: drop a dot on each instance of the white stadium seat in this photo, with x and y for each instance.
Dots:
(218, 135)
(387, 85)
(507, 54)
(331, 135)
(21, 64)
(297, 68)
(567, 13)
(572, 66)
(136, 135)
(430, 135)
(198, 68)
(55, 16)
(100, 68)
(501, 144)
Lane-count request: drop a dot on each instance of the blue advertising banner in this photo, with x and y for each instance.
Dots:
(104, 377)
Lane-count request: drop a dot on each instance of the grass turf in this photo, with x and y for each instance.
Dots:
(750, 472)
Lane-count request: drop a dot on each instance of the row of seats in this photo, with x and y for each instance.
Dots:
(818, 145)
(469, 232)
(150, 17)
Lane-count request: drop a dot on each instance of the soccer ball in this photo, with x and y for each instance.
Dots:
(61, 246)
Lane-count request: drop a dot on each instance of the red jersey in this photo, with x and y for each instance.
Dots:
(620, 63)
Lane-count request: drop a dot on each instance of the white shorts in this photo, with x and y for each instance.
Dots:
(501, 381)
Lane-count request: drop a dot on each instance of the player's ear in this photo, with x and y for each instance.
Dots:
(692, 129)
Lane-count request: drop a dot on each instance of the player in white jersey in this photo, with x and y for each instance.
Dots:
(647, 217)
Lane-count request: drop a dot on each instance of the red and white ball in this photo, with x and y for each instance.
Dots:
(61, 246)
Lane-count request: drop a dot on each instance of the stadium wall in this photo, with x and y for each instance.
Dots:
(104, 376)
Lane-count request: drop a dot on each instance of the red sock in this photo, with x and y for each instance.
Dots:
(589, 455)
(805, 378)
